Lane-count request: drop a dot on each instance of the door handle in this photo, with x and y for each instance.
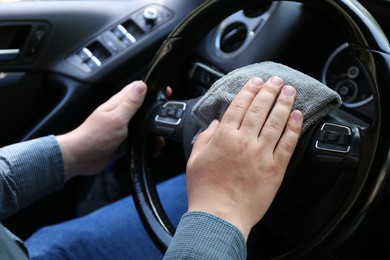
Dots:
(8, 54)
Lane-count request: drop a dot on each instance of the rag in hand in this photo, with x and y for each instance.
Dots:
(313, 99)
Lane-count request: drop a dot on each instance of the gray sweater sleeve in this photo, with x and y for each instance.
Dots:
(28, 171)
(200, 235)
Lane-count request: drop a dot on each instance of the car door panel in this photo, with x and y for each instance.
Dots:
(45, 87)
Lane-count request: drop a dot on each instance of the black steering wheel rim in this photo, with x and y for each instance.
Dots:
(372, 48)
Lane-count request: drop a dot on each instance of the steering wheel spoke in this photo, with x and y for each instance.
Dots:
(172, 119)
(167, 119)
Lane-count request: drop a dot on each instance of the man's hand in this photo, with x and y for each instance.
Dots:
(87, 149)
(236, 166)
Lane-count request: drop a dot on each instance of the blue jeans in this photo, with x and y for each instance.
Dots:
(112, 232)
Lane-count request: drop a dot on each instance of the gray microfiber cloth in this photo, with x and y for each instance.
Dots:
(314, 99)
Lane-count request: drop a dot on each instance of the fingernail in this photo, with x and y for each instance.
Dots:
(276, 80)
(139, 87)
(257, 81)
(288, 91)
(297, 115)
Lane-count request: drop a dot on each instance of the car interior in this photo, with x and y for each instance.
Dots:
(60, 59)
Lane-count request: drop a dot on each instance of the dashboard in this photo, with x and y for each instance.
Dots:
(60, 59)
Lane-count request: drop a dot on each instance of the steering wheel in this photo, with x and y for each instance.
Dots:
(316, 227)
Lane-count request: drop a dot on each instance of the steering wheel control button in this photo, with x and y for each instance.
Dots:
(171, 113)
(329, 136)
(334, 138)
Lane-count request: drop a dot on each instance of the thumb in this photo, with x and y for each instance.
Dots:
(205, 136)
(131, 98)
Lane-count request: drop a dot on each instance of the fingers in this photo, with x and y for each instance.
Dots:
(158, 146)
(261, 106)
(264, 110)
(277, 119)
(236, 111)
(168, 91)
(289, 139)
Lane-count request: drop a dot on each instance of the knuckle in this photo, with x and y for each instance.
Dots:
(295, 128)
(273, 124)
(251, 89)
(285, 101)
(257, 109)
(287, 146)
(272, 89)
(243, 144)
(238, 105)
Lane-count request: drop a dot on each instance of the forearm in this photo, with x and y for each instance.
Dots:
(203, 236)
(28, 171)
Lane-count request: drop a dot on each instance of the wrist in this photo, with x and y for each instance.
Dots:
(69, 156)
(238, 220)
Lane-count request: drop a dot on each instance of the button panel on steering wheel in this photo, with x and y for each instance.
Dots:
(171, 113)
(334, 138)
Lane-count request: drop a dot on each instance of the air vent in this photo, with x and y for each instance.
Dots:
(233, 37)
